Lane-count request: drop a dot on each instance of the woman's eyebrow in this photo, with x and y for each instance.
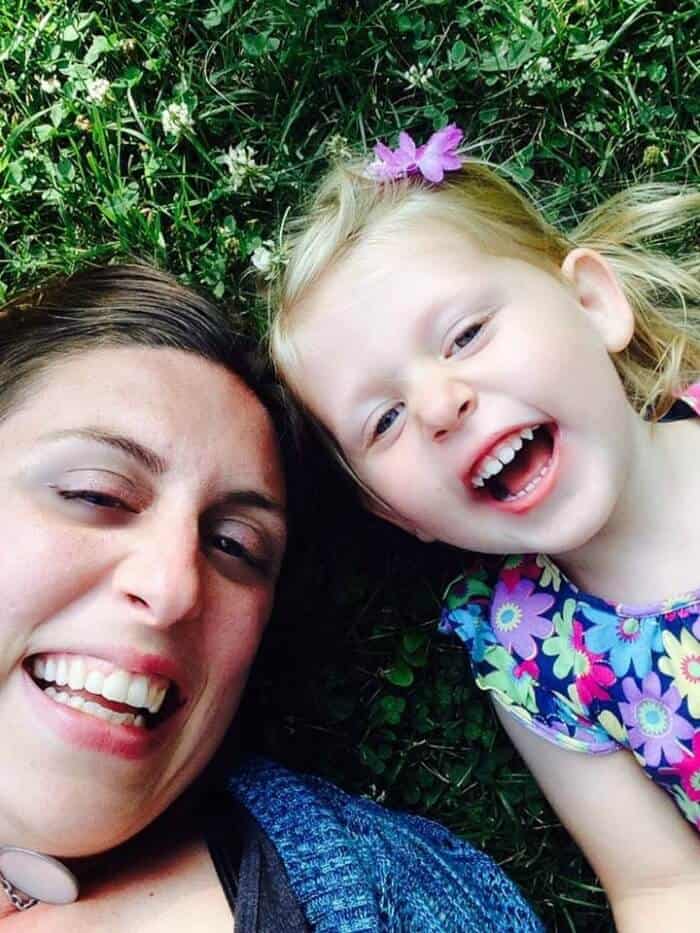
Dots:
(252, 498)
(153, 462)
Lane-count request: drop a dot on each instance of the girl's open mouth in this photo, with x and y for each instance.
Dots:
(515, 472)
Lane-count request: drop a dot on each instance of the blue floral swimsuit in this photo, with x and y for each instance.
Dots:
(584, 673)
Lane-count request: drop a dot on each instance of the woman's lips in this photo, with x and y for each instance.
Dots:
(104, 726)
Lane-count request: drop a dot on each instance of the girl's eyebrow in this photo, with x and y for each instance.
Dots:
(148, 458)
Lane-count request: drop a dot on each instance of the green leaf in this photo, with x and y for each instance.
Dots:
(132, 75)
(458, 51)
(391, 709)
(400, 675)
(255, 44)
(414, 641)
(44, 132)
(212, 19)
(70, 34)
(58, 112)
(100, 45)
(65, 170)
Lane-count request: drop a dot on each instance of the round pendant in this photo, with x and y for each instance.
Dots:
(38, 876)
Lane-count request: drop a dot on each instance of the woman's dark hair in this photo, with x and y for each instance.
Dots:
(118, 306)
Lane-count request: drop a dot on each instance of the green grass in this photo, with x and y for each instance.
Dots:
(574, 98)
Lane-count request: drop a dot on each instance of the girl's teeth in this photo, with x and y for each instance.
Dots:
(505, 454)
(530, 486)
(492, 465)
(138, 690)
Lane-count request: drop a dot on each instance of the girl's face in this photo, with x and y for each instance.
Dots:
(473, 394)
(142, 532)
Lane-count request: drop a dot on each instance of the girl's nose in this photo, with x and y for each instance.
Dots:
(160, 576)
(443, 404)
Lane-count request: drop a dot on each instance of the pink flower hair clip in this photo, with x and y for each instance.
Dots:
(431, 160)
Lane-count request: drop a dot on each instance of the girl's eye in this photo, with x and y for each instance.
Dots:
(466, 336)
(386, 420)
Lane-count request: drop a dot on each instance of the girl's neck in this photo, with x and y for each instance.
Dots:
(648, 549)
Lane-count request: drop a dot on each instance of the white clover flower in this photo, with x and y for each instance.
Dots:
(337, 147)
(262, 259)
(176, 118)
(50, 85)
(418, 76)
(539, 72)
(269, 259)
(241, 165)
(97, 90)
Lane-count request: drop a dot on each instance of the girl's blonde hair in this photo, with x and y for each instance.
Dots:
(628, 230)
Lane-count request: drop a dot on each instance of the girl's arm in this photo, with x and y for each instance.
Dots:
(645, 853)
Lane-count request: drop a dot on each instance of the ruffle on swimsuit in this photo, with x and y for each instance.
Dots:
(587, 674)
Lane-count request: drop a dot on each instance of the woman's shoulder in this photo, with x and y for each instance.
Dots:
(351, 861)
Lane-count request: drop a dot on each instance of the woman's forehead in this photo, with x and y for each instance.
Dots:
(175, 403)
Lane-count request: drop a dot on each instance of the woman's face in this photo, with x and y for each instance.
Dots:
(142, 532)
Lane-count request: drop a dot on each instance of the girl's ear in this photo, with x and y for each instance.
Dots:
(385, 512)
(599, 293)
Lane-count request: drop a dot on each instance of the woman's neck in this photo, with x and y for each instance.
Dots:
(648, 549)
(169, 833)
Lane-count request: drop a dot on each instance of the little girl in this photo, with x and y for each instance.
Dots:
(530, 396)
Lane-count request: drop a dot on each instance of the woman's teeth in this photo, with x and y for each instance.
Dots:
(495, 460)
(94, 709)
(76, 673)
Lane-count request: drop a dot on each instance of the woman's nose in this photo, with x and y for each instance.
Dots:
(161, 574)
(443, 404)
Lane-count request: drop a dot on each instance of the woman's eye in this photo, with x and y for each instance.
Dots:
(386, 420)
(465, 337)
(232, 547)
(100, 500)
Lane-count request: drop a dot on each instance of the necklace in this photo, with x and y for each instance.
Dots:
(28, 876)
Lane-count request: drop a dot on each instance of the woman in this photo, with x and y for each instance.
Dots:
(143, 532)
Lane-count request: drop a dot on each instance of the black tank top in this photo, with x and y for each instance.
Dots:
(251, 871)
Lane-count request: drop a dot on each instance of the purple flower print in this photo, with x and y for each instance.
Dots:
(516, 617)
(652, 721)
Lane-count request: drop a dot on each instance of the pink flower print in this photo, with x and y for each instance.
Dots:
(515, 568)
(516, 616)
(529, 668)
(691, 396)
(592, 677)
(688, 768)
(652, 721)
